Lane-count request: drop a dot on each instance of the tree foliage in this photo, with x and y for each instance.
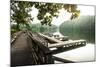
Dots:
(20, 13)
(49, 10)
(46, 11)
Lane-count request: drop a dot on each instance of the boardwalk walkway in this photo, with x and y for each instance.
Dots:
(28, 48)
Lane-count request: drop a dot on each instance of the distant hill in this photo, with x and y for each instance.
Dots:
(81, 28)
(43, 28)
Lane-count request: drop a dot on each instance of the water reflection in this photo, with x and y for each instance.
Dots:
(85, 53)
(82, 28)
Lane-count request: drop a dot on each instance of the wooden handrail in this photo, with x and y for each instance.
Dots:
(66, 43)
(45, 49)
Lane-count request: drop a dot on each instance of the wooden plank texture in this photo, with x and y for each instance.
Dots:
(67, 43)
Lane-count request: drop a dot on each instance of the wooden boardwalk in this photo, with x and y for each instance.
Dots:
(36, 48)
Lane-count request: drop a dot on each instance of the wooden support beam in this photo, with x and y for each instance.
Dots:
(62, 46)
(64, 38)
(53, 40)
(68, 43)
(62, 60)
(63, 49)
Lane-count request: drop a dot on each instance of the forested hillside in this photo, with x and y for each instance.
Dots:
(83, 27)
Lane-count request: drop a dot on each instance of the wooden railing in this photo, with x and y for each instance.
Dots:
(42, 52)
(42, 45)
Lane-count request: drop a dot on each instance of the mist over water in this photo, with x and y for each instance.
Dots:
(85, 53)
(84, 28)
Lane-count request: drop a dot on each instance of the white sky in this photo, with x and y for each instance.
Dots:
(64, 15)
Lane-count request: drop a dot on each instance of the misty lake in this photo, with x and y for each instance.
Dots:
(85, 53)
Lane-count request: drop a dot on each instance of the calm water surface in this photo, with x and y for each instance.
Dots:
(85, 53)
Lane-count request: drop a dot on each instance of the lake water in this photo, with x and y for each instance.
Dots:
(85, 53)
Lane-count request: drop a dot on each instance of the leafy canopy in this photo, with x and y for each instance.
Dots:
(46, 11)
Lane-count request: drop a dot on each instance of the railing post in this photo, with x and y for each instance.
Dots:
(43, 53)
